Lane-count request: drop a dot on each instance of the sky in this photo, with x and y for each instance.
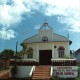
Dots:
(20, 19)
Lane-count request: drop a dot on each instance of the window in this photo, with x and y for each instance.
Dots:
(30, 52)
(61, 52)
(30, 55)
(44, 39)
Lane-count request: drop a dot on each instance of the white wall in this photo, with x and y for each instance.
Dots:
(72, 70)
(47, 33)
(49, 46)
(65, 45)
(78, 57)
(23, 71)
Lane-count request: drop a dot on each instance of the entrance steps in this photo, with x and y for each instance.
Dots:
(41, 73)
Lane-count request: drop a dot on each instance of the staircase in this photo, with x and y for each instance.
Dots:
(41, 73)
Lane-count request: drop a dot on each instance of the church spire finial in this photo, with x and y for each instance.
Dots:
(45, 20)
(45, 25)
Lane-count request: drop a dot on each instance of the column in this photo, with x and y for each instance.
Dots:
(52, 51)
(37, 52)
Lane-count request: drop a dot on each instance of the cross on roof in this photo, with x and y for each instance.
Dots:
(45, 25)
(45, 20)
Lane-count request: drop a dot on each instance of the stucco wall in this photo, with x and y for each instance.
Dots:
(49, 46)
(65, 45)
(78, 57)
(22, 71)
(47, 33)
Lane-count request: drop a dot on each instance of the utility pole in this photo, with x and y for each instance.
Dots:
(16, 52)
(16, 47)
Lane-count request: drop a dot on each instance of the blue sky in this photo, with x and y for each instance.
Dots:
(20, 19)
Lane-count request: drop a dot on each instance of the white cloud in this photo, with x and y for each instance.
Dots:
(11, 12)
(7, 34)
(68, 11)
(37, 27)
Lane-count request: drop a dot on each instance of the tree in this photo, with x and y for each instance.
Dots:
(7, 53)
(14, 71)
(24, 45)
(25, 49)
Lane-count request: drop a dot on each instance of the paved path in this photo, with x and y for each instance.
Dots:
(4, 74)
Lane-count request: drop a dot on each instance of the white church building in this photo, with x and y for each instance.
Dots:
(47, 45)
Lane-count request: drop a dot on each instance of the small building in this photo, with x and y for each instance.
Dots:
(77, 55)
(46, 45)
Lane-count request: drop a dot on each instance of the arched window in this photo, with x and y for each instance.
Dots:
(30, 52)
(61, 52)
(30, 55)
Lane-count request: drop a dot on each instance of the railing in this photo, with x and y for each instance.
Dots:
(32, 69)
(64, 62)
(51, 72)
(23, 59)
(28, 59)
(24, 62)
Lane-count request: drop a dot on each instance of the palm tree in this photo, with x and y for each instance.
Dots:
(24, 45)
(25, 49)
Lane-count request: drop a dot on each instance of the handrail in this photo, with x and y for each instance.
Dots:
(32, 69)
(51, 72)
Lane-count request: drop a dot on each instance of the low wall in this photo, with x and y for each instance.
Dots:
(23, 67)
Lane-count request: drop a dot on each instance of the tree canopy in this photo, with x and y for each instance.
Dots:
(7, 53)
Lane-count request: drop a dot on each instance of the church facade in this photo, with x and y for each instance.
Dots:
(47, 45)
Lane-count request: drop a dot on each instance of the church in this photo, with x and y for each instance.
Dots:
(47, 45)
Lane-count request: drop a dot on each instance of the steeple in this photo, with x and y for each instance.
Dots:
(45, 26)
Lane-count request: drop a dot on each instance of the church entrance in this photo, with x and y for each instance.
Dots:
(45, 57)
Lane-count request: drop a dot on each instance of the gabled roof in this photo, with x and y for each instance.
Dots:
(56, 38)
(77, 51)
(46, 27)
